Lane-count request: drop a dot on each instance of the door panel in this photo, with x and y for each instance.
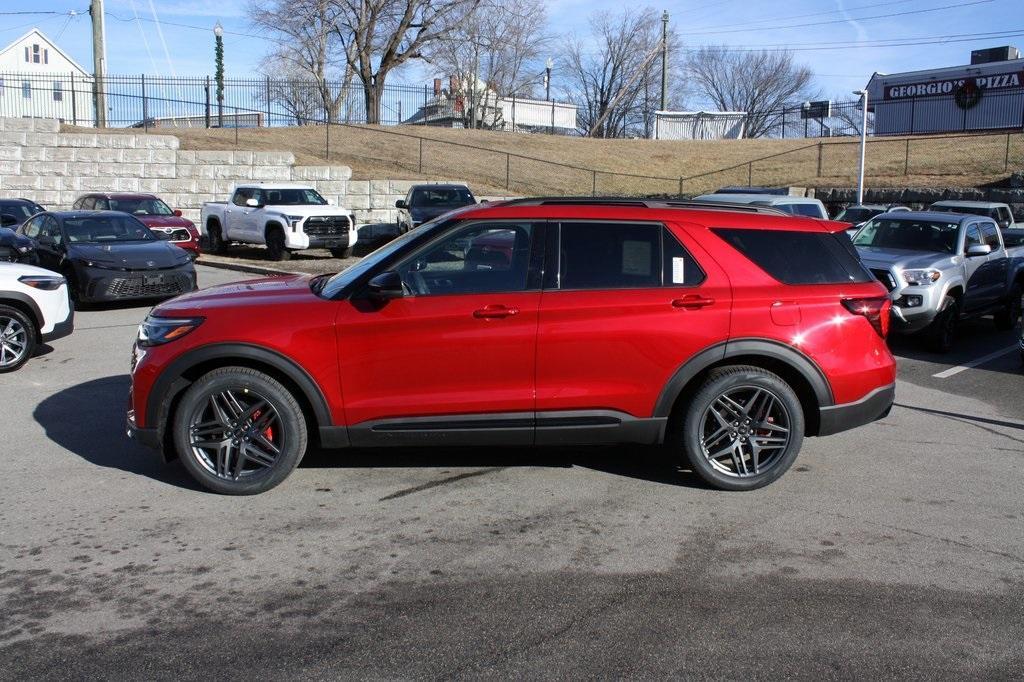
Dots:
(462, 342)
(615, 349)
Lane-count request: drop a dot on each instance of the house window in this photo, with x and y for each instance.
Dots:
(58, 91)
(26, 89)
(35, 53)
(46, 56)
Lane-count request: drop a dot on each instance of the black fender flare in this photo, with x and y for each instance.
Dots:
(26, 300)
(170, 381)
(768, 348)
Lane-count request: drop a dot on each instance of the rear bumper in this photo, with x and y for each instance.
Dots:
(872, 407)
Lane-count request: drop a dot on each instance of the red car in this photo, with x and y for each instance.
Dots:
(149, 209)
(726, 333)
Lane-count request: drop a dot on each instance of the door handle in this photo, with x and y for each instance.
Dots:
(494, 312)
(692, 302)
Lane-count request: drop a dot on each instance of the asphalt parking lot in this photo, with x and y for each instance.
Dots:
(893, 550)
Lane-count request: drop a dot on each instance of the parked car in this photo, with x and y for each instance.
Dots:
(15, 248)
(727, 332)
(286, 218)
(941, 268)
(34, 309)
(798, 206)
(752, 189)
(858, 214)
(109, 256)
(426, 202)
(13, 212)
(998, 212)
(151, 211)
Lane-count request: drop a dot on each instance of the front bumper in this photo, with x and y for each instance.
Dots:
(913, 307)
(61, 329)
(147, 437)
(872, 407)
(98, 285)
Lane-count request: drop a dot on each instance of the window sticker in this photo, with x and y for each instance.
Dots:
(636, 258)
(678, 270)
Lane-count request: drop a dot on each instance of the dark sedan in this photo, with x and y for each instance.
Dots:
(15, 248)
(109, 256)
(426, 202)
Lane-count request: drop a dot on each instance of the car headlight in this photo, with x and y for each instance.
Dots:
(294, 220)
(102, 265)
(44, 282)
(921, 277)
(156, 331)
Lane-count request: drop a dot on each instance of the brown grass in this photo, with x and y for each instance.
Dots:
(542, 164)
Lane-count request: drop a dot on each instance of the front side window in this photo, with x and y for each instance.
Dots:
(989, 235)
(32, 228)
(51, 228)
(973, 237)
(476, 259)
(241, 196)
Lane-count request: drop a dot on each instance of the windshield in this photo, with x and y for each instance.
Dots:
(909, 235)
(969, 210)
(809, 210)
(140, 206)
(107, 228)
(857, 215)
(294, 197)
(441, 198)
(20, 210)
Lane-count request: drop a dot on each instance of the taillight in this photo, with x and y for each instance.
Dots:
(875, 309)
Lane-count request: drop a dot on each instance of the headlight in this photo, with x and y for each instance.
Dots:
(44, 282)
(102, 265)
(155, 331)
(294, 220)
(921, 277)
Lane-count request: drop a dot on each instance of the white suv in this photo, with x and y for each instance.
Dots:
(34, 308)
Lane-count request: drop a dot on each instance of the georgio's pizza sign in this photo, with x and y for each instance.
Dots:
(949, 87)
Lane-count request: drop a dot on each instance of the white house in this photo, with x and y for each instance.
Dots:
(40, 80)
(698, 125)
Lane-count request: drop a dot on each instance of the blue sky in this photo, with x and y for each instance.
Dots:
(739, 23)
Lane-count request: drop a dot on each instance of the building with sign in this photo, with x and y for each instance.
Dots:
(983, 95)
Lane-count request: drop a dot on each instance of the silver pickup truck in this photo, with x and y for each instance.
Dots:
(941, 268)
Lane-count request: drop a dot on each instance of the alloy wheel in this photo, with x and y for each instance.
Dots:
(745, 431)
(236, 433)
(13, 341)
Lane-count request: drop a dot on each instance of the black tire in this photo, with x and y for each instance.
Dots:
(1006, 319)
(342, 253)
(773, 405)
(286, 431)
(215, 240)
(18, 338)
(275, 245)
(941, 333)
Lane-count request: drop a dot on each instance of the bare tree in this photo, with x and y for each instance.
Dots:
(307, 49)
(378, 36)
(760, 83)
(615, 76)
(292, 90)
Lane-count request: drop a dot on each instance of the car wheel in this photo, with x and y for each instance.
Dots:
(342, 253)
(216, 241)
(238, 431)
(1006, 319)
(17, 339)
(275, 245)
(941, 332)
(742, 429)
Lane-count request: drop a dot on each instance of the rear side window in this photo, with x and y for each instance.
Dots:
(799, 257)
(623, 256)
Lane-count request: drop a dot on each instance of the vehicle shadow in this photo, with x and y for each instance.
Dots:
(974, 338)
(88, 420)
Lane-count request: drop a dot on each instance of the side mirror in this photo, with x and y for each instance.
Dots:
(252, 203)
(386, 285)
(401, 204)
(978, 250)
(177, 212)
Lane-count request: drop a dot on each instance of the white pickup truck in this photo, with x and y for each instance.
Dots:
(284, 217)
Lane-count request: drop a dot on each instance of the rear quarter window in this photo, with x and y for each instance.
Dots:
(799, 257)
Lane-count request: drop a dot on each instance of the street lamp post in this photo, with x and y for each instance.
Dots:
(547, 78)
(218, 52)
(863, 143)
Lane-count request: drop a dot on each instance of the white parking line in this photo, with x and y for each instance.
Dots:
(946, 373)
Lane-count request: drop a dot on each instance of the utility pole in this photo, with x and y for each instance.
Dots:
(99, 61)
(547, 78)
(664, 61)
(863, 144)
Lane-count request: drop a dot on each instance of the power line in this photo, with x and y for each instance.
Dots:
(890, 42)
(810, 14)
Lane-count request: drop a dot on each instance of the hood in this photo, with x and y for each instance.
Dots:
(130, 255)
(164, 221)
(874, 256)
(285, 291)
(308, 210)
(422, 214)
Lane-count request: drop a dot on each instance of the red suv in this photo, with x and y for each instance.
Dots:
(728, 333)
(151, 211)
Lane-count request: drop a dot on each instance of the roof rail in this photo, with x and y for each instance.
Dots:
(646, 203)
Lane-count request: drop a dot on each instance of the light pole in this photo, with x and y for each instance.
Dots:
(218, 54)
(548, 65)
(863, 143)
